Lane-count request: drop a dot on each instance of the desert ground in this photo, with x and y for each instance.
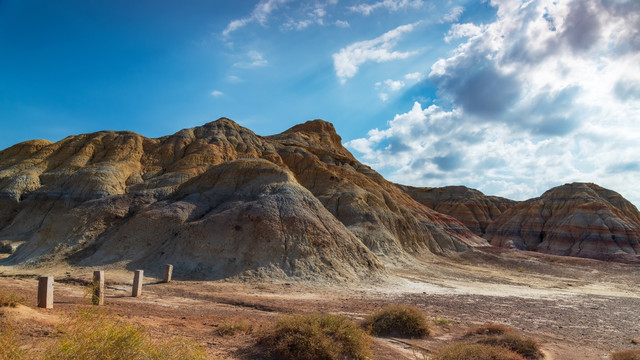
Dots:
(576, 308)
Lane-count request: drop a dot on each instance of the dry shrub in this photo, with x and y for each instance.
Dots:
(490, 329)
(235, 327)
(528, 348)
(398, 320)
(95, 334)
(466, 351)
(10, 299)
(316, 337)
(9, 346)
(626, 355)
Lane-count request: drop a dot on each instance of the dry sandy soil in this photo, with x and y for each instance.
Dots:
(576, 308)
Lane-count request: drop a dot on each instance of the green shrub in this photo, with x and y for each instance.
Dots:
(528, 348)
(234, 327)
(316, 337)
(10, 299)
(398, 320)
(466, 351)
(626, 355)
(9, 346)
(441, 321)
(94, 334)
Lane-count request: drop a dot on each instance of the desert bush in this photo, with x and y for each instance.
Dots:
(9, 346)
(528, 348)
(234, 327)
(398, 320)
(95, 334)
(466, 351)
(490, 329)
(10, 299)
(316, 337)
(626, 355)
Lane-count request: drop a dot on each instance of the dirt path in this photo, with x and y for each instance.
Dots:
(576, 310)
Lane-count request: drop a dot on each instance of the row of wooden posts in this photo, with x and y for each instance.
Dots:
(45, 287)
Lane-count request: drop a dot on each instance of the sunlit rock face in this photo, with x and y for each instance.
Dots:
(216, 201)
(573, 219)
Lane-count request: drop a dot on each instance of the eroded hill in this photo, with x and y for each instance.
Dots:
(216, 201)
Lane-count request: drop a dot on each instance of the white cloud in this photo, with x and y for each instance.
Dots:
(342, 24)
(546, 94)
(454, 14)
(347, 61)
(255, 60)
(415, 76)
(259, 14)
(217, 93)
(392, 5)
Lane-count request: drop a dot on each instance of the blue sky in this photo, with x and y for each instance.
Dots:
(509, 97)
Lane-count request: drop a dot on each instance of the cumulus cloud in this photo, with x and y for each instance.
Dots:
(548, 93)
(342, 24)
(347, 61)
(391, 5)
(260, 14)
(311, 14)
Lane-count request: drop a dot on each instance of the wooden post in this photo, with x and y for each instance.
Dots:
(45, 292)
(137, 283)
(97, 298)
(168, 270)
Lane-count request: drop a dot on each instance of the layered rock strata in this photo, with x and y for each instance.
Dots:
(217, 201)
(471, 207)
(577, 219)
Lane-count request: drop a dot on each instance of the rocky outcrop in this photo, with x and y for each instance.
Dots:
(573, 219)
(471, 207)
(217, 201)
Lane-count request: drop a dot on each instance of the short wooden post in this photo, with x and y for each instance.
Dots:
(168, 270)
(137, 283)
(97, 297)
(45, 292)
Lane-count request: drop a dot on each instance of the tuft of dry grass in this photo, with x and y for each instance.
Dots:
(528, 348)
(234, 327)
(490, 329)
(316, 337)
(11, 299)
(626, 355)
(398, 320)
(466, 351)
(441, 321)
(97, 335)
(9, 346)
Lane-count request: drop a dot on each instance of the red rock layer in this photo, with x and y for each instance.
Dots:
(471, 207)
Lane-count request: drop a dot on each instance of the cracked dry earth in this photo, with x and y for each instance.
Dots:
(576, 308)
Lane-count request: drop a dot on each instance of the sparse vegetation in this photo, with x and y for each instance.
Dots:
(9, 346)
(316, 337)
(466, 351)
(441, 321)
(490, 329)
(231, 328)
(528, 348)
(398, 320)
(94, 334)
(626, 355)
(10, 299)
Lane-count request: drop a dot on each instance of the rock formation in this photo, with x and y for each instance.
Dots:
(573, 219)
(216, 201)
(469, 206)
